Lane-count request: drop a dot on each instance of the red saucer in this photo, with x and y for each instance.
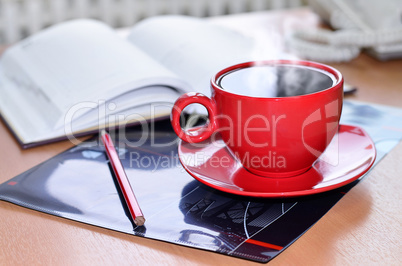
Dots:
(348, 157)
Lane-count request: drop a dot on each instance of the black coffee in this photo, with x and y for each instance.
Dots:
(276, 81)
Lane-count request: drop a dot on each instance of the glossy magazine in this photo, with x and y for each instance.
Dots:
(78, 184)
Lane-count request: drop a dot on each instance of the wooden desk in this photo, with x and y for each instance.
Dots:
(363, 228)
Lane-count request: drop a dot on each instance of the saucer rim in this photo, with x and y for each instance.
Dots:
(288, 194)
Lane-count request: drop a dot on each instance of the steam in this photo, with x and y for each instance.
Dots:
(269, 43)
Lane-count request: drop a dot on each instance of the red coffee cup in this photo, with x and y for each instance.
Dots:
(271, 136)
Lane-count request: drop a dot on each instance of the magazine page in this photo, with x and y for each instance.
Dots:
(78, 61)
(193, 48)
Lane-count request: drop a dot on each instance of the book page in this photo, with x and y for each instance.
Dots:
(76, 61)
(193, 48)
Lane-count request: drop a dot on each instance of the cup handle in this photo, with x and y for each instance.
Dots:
(201, 133)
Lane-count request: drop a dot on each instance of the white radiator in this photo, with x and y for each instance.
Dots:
(20, 18)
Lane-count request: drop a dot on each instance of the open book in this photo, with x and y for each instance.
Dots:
(80, 76)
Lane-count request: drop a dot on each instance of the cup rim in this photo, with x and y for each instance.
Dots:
(337, 75)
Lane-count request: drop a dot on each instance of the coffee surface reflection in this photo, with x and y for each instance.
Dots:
(276, 81)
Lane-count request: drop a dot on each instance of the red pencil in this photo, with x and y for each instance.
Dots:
(122, 179)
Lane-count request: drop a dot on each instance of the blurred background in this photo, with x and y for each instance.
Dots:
(20, 18)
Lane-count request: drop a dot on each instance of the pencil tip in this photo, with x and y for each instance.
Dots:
(139, 220)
